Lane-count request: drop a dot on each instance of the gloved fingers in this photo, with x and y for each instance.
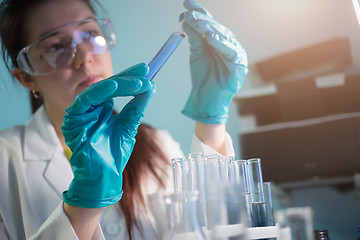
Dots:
(138, 70)
(106, 89)
(200, 22)
(92, 96)
(218, 36)
(132, 113)
(124, 83)
(125, 88)
(72, 121)
(193, 5)
(232, 51)
(77, 128)
(130, 86)
(205, 25)
(197, 42)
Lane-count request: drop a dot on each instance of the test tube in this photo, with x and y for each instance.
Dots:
(258, 208)
(242, 177)
(164, 53)
(212, 171)
(198, 163)
(227, 169)
(268, 204)
(198, 175)
(299, 220)
(180, 172)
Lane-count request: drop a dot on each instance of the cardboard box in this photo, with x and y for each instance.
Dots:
(326, 149)
(302, 99)
(299, 100)
(306, 130)
(326, 57)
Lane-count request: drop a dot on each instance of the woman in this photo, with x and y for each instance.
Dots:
(60, 52)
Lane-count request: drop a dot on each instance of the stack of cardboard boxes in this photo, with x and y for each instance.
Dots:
(309, 128)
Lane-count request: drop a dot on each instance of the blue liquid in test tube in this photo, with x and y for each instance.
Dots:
(164, 53)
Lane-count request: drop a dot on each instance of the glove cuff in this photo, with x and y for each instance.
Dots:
(90, 203)
(206, 119)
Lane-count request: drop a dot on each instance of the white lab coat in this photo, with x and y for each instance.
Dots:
(34, 172)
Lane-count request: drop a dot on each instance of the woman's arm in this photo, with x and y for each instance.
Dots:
(83, 220)
(101, 144)
(213, 135)
(218, 65)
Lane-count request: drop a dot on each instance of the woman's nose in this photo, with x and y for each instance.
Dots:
(82, 57)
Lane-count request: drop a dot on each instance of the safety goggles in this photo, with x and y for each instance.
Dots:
(56, 50)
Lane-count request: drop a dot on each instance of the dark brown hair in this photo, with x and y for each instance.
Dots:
(13, 15)
(147, 159)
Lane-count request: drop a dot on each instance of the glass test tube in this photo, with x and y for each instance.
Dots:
(212, 170)
(180, 174)
(299, 220)
(258, 214)
(268, 204)
(197, 162)
(242, 177)
(182, 219)
(227, 169)
(357, 9)
(212, 185)
(164, 53)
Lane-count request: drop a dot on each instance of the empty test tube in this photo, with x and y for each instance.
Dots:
(180, 172)
(227, 169)
(242, 177)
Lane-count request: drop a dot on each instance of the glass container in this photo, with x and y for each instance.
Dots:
(258, 208)
(182, 218)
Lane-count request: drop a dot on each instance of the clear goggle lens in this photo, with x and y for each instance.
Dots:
(56, 50)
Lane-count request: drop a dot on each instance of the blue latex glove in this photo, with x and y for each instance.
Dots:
(101, 142)
(218, 65)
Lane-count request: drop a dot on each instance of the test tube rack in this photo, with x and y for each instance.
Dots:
(226, 231)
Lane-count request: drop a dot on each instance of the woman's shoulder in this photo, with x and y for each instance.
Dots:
(169, 145)
(15, 134)
(12, 136)
(11, 149)
(35, 134)
(163, 134)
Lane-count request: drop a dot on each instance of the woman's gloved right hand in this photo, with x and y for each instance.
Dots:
(101, 142)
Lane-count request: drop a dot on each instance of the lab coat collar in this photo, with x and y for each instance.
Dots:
(39, 131)
(42, 144)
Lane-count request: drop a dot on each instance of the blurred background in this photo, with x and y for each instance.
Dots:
(299, 107)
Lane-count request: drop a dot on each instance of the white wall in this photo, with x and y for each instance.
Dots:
(14, 104)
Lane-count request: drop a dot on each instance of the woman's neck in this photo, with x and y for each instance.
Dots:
(56, 118)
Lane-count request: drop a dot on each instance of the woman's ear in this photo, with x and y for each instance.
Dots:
(25, 79)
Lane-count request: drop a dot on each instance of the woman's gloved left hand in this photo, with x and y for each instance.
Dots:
(101, 142)
(218, 65)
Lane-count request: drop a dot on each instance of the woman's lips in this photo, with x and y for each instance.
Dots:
(90, 80)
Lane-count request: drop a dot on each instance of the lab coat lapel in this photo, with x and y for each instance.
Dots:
(42, 144)
(59, 173)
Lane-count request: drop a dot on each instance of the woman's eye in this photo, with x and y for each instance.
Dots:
(55, 47)
(94, 33)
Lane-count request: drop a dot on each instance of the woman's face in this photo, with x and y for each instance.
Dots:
(60, 88)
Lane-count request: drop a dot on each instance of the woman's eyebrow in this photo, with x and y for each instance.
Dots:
(47, 35)
(54, 33)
